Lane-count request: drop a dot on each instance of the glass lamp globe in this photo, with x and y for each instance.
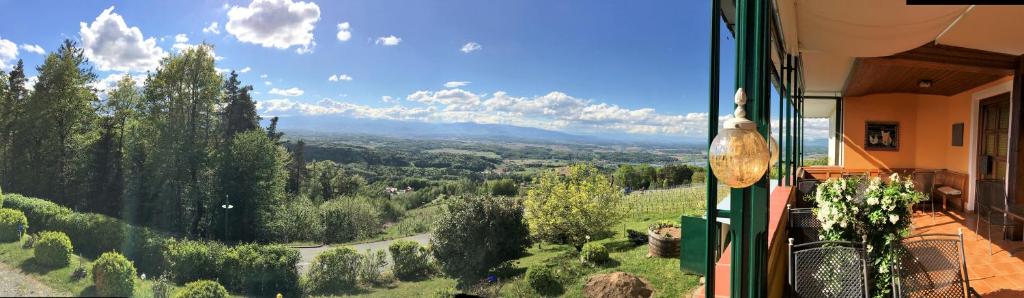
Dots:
(739, 155)
(773, 150)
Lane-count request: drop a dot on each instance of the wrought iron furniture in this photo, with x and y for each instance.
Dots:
(933, 265)
(804, 227)
(827, 269)
(924, 182)
(991, 193)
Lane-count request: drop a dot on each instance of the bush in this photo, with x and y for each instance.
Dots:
(333, 271)
(594, 253)
(12, 224)
(410, 260)
(114, 275)
(94, 234)
(202, 289)
(543, 280)
(349, 219)
(585, 191)
(475, 234)
(296, 220)
(53, 249)
(371, 266)
(261, 270)
(504, 187)
(190, 260)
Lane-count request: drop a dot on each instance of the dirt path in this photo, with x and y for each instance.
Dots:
(13, 283)
(309, 253)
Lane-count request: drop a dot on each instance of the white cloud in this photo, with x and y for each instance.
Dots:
(32, 48)
(389, 40)
(388, 99)
(112, 45)
(181, 38)
(339, 77)
(245, 69)
(456, 84)
(290, 92)
(268, 83)
(213, 28)
(110, 82)
(8, 52)
(263, 76)
(471, 47)
(30, 83)
(344, 31)
(275, 23)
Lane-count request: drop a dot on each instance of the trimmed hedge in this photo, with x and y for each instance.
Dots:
(113, 275)
(202, 289)
(94, 234)
(252, 269)
(410, 259)
(10, 220)
(53, 249)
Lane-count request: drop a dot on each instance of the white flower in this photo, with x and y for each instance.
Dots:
(893, 218)
(872, 201)
(894, 177)
(909, 184)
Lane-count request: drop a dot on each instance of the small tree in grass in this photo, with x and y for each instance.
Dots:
(568, 207)
(114, 275)
(476, 234)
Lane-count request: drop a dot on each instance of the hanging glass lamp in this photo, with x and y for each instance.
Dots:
(739, 155)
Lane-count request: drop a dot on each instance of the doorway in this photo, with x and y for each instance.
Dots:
(994, 137)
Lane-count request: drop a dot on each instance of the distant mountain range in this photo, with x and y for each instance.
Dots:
(330, 125)
(340, 125)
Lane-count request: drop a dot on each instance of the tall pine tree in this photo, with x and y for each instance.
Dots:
(11, 111)
(240, 112)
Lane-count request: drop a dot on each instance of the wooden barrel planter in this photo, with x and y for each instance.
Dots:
(663, 241)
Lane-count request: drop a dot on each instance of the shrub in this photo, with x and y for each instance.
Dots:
(594, 253)
(261, 270)
(190, 260)
(371, 266)
(349, 219)
(296, 220)
(543, 280)
(202, 289)
(585, 191)
(333, 271)
(410, 259)
(475, 234)
(114, 275)
(94, 234)
(12, 224)
(504, 187)
(53, 249)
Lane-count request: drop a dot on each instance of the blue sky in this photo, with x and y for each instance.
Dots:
(637, 67)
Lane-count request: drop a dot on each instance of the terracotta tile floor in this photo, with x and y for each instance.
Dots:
(999, 274)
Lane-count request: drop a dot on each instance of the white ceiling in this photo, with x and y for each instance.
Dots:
(830, 34)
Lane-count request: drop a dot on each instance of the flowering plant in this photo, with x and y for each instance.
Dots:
(877, 210)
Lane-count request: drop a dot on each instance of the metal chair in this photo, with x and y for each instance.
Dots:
(827, 269)
(989, 192)
(933, 265)
(804, 227)
(924, 182)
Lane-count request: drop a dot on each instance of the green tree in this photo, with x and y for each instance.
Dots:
(297, 168)
(181, 102)
(474, 235)
(328, 180)
(253, 177)
(568, 208)
(12, 109)
(60, 126)
(106, 181)
(240, 112)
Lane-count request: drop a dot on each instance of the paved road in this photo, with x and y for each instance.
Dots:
(308, 254)
(13, 283)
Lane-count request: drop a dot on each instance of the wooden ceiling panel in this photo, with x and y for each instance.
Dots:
(952, 70)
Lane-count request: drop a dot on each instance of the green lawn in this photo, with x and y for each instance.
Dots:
(641, 209)
(15, 256)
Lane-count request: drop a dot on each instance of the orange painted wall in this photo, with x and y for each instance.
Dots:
(926, 126)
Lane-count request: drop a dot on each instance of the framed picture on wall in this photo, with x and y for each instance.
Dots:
(882, 136)
(958, 134)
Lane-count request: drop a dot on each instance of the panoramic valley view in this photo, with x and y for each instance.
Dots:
(291, 148)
